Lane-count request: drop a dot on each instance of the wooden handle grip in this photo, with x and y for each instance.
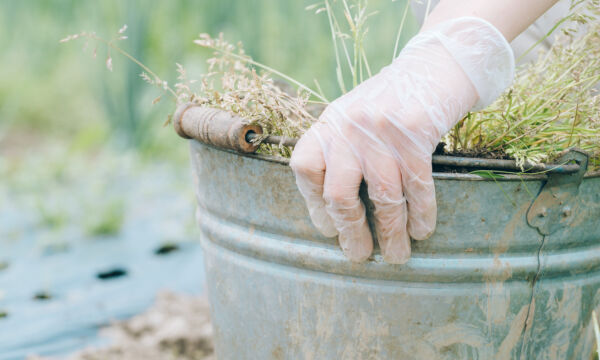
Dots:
(215, 127)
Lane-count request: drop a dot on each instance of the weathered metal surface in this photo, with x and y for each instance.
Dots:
(485, 286)
(553, 207)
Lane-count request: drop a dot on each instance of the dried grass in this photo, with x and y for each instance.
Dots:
(552, 105)
(233, 84)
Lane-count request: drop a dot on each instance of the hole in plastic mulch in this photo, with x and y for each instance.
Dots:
(111, 274)
(166, 248)
(42, 296)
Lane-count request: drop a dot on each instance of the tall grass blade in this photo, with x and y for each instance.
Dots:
(400, 30)
(340, 77)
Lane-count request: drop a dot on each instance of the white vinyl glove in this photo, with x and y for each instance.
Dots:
(385, 131)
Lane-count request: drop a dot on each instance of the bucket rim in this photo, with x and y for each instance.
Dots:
(436, 175)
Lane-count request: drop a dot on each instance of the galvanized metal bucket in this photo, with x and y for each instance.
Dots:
(512, 271)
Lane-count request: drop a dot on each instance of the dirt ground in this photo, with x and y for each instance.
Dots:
(176, 327)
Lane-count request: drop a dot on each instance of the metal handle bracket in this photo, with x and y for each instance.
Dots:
(555, 206)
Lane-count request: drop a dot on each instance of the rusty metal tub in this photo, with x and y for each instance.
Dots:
(487, 285)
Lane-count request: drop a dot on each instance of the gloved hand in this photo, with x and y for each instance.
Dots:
(385, 131)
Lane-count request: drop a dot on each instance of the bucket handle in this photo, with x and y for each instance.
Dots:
(222, 129)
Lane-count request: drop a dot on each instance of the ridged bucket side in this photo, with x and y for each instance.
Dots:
(486, 285)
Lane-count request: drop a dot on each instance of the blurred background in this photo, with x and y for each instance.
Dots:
(92, 186)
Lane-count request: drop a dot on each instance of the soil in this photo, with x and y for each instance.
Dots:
(176, 327)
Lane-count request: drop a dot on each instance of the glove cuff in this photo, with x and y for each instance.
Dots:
(481, 51)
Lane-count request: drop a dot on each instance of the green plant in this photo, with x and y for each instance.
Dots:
(52, 217)
(355, 58)
(108, 220)
(551, 106)
(233, 83)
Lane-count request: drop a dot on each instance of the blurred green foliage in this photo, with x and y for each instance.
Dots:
(108, 219)
(58, 90)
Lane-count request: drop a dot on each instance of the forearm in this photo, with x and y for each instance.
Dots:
(510, 17)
